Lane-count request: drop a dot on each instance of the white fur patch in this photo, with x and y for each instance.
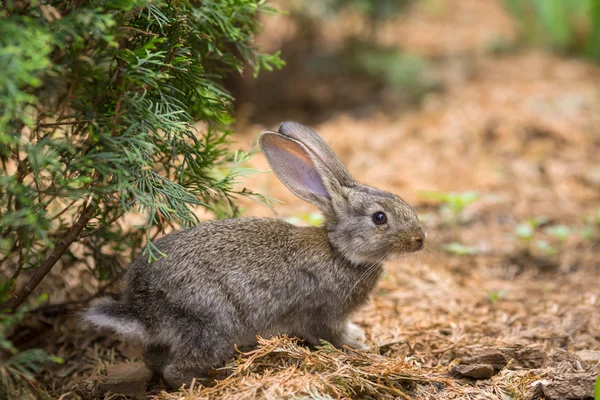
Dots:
(355, 336)
(131, 329)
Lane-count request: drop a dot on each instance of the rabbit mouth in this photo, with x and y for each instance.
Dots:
(418, 243)
(417, 240)
(412, 245)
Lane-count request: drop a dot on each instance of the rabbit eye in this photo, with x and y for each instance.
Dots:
(379, 218)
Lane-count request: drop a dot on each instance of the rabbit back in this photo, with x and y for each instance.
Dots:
(242, 277)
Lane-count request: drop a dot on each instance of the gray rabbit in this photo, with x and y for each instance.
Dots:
(224, 282)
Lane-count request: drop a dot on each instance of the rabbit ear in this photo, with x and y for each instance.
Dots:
(296, 168)
(317, 146)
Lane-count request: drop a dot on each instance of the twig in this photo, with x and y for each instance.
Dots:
(21, 229)
(87, 299)
(90, 233)
(118, 112)
(13, 303)
(130, 28)
(21, 262)
(8, 230)
(68, 207)
(9, 253)
(49, 124)
(445, 349)
(67, 100)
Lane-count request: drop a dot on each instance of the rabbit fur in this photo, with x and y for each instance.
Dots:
(224, 282)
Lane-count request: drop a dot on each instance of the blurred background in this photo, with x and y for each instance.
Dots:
(361, 56)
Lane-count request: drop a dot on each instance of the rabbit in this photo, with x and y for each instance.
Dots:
(224, 282)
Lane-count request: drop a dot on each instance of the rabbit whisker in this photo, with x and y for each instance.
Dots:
(368, 272)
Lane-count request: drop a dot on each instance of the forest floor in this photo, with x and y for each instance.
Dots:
(512, 308)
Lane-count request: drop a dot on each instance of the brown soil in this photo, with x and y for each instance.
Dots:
(522, 130)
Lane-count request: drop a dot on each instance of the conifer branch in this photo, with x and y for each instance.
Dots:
(18, 298)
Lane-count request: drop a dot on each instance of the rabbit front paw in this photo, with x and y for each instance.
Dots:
(354, 337)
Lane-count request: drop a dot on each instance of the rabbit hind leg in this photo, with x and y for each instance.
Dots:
(183, 372)
(155, 357)
(196, 362)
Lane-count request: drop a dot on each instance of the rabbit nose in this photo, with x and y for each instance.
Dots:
(419, 238)
(419, 242)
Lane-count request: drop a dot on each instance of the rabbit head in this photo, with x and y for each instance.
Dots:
(364, 224)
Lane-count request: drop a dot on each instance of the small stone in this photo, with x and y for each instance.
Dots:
(589, 356)
(129, 350)
(567, 386)
(492, 357)
(499, 357)
(474, 371)
(125, 378)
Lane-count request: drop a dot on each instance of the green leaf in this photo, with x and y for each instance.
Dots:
(561, 232)
(456, 202)
(561, 25)
(460, 249)
(545, 247)
(294, 221)
(538, 221)
(588, 232)
(424, 217)
(495, 296)
(314, 219)
(57, 360)
(524, 231)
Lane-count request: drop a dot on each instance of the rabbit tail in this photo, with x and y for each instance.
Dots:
(117, 317)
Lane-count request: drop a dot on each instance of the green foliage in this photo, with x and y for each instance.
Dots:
(453, 204)
(375, 10)
(398, 70)
(313, 219)
(537, 235)
(460, 249)
(588, 232)
(591, 229)
(99, 105)
(495, 296)
(571, 26)
(545, 248)
(597, 389)
(17, 369)
(560, 232)
(361, 56)
(526, 230)
(395, 69)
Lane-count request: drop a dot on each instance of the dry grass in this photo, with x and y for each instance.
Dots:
(281, 367)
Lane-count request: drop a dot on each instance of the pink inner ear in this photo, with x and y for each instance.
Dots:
(298, 170)
(311, 179)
